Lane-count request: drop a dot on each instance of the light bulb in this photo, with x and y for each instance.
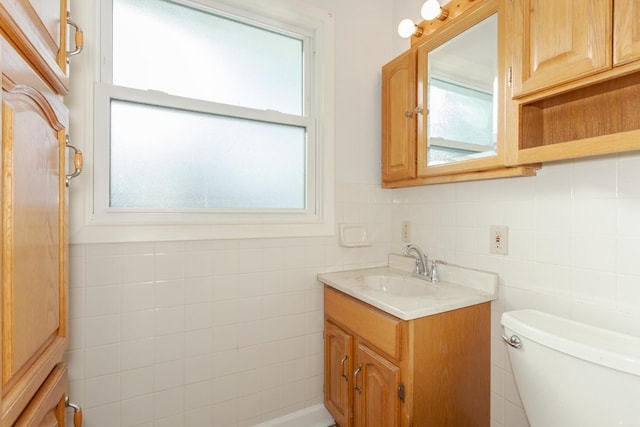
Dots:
(430, 10)
(407, 28)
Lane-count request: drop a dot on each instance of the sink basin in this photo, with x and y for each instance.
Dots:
(393, 289)
(397, 285)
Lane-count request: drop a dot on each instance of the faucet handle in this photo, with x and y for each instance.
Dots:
(434, 269)
(417, 266)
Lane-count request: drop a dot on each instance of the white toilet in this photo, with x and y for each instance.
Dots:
(573, 375)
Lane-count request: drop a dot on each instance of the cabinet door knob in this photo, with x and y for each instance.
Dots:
(408, 114)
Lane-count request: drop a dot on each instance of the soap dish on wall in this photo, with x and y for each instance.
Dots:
(353, 235)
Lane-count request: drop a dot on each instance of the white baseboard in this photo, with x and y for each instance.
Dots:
(313, 416)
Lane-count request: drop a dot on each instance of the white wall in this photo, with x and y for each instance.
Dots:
(229, 333)
(216, 333)
(573, 245)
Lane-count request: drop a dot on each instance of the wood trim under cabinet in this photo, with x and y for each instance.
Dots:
(511, 172)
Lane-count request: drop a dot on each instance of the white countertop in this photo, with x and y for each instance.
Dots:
(411, 298)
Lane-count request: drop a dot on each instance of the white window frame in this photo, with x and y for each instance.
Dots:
(91, 218)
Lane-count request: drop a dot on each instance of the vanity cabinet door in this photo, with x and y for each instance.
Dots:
(399, 118)
(626, 31)
(559, 41)
(337, 373)
(376, 383)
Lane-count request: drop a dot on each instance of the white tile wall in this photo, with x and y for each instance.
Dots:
(574, 241)
(208, 333)
(229, 333)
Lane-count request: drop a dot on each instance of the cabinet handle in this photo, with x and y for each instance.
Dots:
(344, 359)
(78, 39)
(408, 114)
(419, 110)
(77, 412)
(355, 379)
(77, 163)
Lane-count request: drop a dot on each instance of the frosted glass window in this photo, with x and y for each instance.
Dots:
(184, 51)
(212, 119)
(164, 158)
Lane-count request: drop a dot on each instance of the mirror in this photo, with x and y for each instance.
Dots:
(462, 95)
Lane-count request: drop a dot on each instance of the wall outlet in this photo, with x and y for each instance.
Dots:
(406, 231)
(499, 239)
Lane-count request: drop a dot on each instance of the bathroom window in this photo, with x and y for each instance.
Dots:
(213, 113)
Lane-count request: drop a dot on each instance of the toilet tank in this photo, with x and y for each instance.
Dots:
(572, 374)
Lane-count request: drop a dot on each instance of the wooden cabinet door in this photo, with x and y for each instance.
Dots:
(47, 409)
(33, 287)
(38, 29)
(399, 118)
(376, 382)
(337, 373)
(52, 14)
(626, 31)
(559, 41)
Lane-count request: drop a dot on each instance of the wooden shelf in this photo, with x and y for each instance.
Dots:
(601, 116)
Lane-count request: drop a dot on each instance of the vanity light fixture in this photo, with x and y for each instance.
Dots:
(431, 9)
(408, 28)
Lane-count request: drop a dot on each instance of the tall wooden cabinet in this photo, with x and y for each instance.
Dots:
(34, 232)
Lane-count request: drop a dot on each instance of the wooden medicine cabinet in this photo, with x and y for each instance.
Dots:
(444, 101)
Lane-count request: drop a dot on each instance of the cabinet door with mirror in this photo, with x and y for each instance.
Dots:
(460, 98)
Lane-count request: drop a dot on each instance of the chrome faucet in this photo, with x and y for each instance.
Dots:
(421, 261)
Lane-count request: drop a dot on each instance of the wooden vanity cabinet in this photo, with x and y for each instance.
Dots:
(575, 79)
(338, 356)
(384, 371)
(378, 391)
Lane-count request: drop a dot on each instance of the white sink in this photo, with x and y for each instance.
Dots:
(394, 290)
(396, 285)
